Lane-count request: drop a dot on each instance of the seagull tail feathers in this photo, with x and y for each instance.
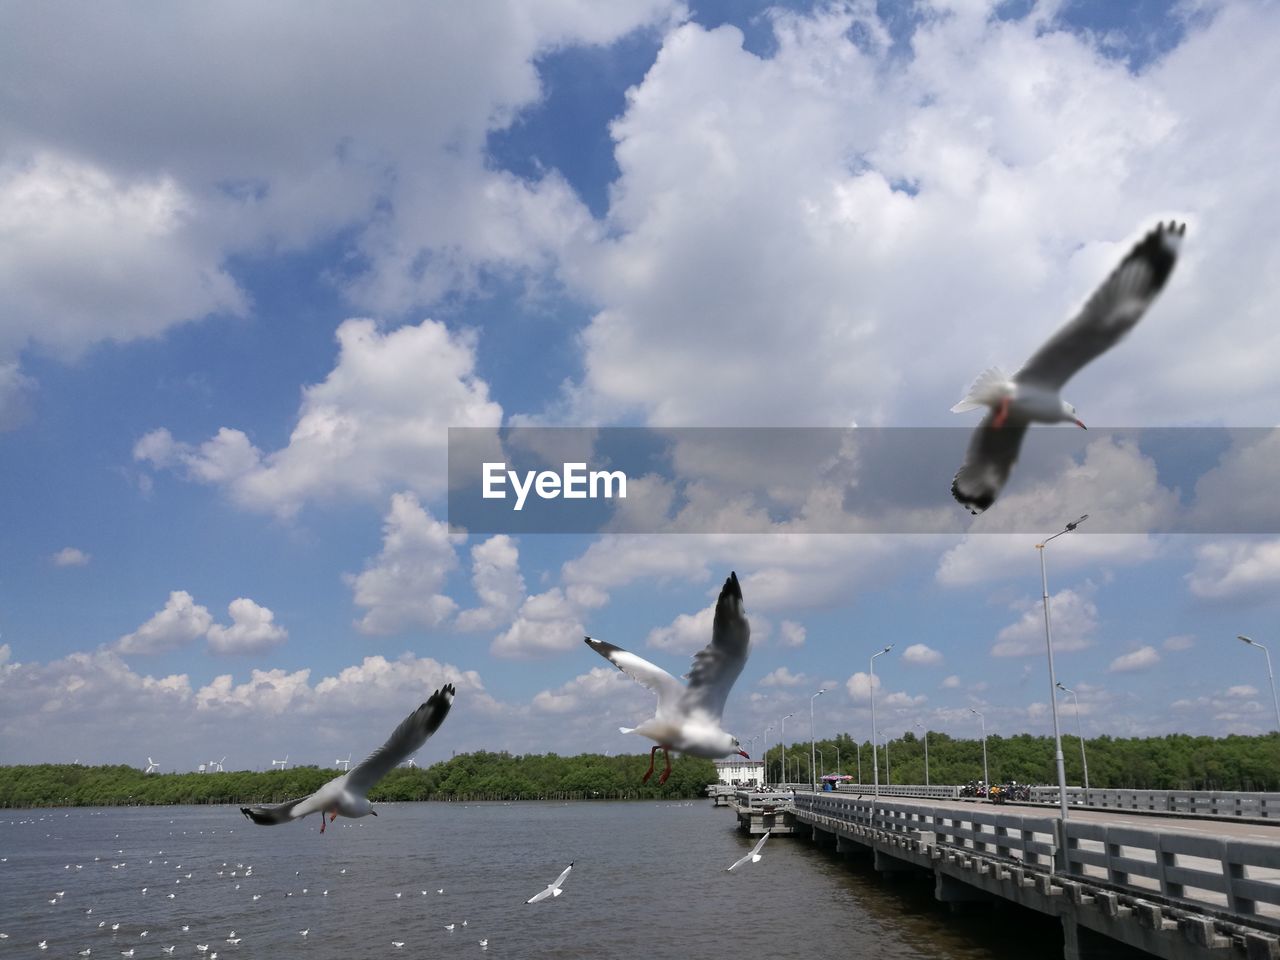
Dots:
(992, 384)
(626, 729)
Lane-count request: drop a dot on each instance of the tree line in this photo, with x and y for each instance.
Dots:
(469, 776)
(1173, 762)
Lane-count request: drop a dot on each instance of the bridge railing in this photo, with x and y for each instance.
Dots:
(1265, 806)
(1241, 877)
(935, 791)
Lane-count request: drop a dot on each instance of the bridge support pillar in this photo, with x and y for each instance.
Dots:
(955, 892)
(1081, 943)
(890, 866)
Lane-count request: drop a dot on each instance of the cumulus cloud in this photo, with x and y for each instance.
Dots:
(71, 557)
(253, 629)
(859, 686)
(180, 622)
(596, 685)
(548, 622)
(401, 588)
(950, 683)
(688, 633)
(1180, 642)
(1141, 659)
(1236, 569)
(782, 677)
(495, 576)
(791, 634)
(1244, 690)
(379, 420)
(1074, 619)
(922, 655)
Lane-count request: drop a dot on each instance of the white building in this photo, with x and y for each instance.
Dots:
(739, 771)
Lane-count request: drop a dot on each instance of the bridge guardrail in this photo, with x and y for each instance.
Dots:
(1241, 877)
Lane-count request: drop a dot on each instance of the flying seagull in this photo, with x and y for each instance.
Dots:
(1031, 395)
(347, 794)
(688, 718)
(553, 890)
(754, 856)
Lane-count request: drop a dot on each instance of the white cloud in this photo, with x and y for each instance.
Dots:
(495, 575)
(252, 629)
(379, 420)
(922, 655)
(179, 623)
(782, 677)
(687, 633)
(548, 622)
(401, 587)
(950, 683)
(987, 557)
(71, 557)
(791, 634)
(1180, 642)
(596, 686)
(14, 391)
(1238, 569)
(1243, 691)
(1073, 617)
(1141, 659)
(859, 686)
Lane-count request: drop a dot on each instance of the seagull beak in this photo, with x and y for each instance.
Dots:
(743, 753)
(1081, 425)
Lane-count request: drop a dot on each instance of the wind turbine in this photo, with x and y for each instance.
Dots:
(282, 764)
(219, 764)
(344, 764)
(152, 766)
(410, 762)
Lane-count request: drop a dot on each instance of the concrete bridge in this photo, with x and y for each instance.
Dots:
(1168, 886)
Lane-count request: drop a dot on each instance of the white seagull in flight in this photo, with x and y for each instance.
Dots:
(347, 794)
(1031, 395)
(688, 718)
(754, 856)
(553, 890)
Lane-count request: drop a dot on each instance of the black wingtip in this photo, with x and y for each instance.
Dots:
(975, 505)
(732, 587)
(1159, 249)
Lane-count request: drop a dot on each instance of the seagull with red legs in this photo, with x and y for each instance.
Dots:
(1031, 394)
(688, 717)
(348, 794)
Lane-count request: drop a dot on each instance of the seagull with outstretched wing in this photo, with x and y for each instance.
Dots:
(688, 717)
(348, 794)
(754, 856)
(1032, 394)
(553, 889)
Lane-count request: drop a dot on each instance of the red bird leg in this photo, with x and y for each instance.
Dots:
(667, 772)
(322, 821)
(649, 773)
(1002, 413)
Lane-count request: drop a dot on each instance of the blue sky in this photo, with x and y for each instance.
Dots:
(254, 266)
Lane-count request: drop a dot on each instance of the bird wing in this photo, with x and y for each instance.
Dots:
(540, 895)
(717, 665)
(268, 815)
(407, 738)
(755, 851)
(639, 669)
(753, 855)
(991, 455)
(1112, 311)
(560, 879)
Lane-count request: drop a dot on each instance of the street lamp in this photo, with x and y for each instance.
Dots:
(888, 770)
(986, 778)
(837, 756)
(1080, 733)
(859, 746)
(813, 785)
(1270, 675)
(1053, 681)
(764, 757)
(782, 738)
(875, 763)
(926, 752)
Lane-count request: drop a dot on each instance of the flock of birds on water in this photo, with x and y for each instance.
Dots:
(689, 710)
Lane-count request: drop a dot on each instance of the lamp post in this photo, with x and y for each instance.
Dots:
(764, 757)
(926, 752)
(753, 741)
(837, 756)
(813, 784)
(1270, 675)
(875, 762)
(859, 746)
(782, 739)
(1084, 762)
(888, 770)
(986, 778)
(1053, 681)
